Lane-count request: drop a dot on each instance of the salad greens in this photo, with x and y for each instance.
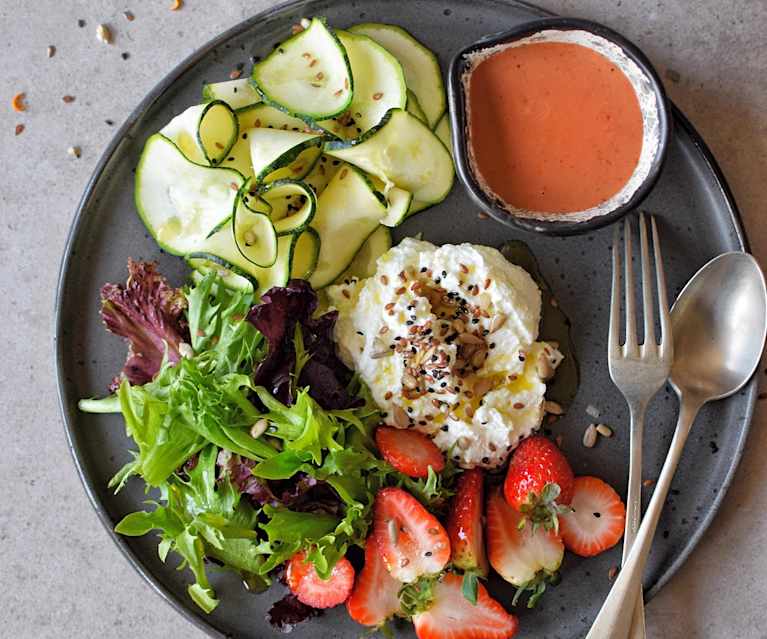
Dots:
(241, 477)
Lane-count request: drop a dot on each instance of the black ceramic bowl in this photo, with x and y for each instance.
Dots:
(644, 78)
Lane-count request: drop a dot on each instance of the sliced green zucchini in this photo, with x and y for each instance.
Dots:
(265, 116)
(416, 206)
(397, 201)
(277, 154)
(379, 85)
(322, 172)
(292, 203)
(404, 151)
(232, 276)
(223, 246)
(348, 211)
(257, 116)
(443, 132)
(205, 133)
(236, 93)
(252, 200)
(307, 75)
(254, 235)
(414, 107)
(421, 67)
(306, 252)
(179, 201)
(365, 261)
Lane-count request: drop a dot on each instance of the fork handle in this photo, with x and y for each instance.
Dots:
(634, 506)
(614, 619)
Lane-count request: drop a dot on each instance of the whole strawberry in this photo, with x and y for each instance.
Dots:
(539, 482)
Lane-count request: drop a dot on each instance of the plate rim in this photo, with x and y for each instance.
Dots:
(167, 82)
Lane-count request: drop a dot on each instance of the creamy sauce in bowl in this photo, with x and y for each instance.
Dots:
(561, 125)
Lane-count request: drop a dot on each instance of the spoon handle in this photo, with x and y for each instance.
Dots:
(614, 619)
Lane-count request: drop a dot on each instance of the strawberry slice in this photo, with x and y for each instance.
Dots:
(411, 540)
(597, 519)
(464, 524)
(525, 556)
(452, 616)
(539, 481)
(409, 451)
(306, 584)
(375, 597)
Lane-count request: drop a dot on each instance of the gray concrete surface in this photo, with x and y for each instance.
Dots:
(62, 577)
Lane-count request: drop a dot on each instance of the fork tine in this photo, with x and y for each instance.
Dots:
(647, 296)
(614, 336)
(631, 347)
(666, 343)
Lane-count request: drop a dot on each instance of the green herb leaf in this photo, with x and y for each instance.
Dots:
(470, 587)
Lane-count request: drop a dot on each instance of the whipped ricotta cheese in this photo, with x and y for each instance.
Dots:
(445, 337)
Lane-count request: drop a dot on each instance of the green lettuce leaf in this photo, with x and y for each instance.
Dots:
(203, 517)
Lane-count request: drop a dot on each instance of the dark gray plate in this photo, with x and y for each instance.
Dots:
(698, 221)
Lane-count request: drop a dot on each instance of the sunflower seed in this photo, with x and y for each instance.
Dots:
(552, 408)
(400, 417)
(104, 34)
(393, 532)
(590, 436)
(544, 368)
(259, 428)
(604, 430)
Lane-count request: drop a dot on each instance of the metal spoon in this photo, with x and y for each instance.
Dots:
(719, 323)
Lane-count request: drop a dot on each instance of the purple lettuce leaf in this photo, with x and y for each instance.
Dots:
(149, 313)
(281, 309)
(239, 471)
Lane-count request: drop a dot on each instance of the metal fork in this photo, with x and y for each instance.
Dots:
(639, 371)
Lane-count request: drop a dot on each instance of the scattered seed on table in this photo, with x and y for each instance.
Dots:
(51, 51)
(125, 55)
(20, 129)
(81, 23)
(612, 572)
(104, 34)
(109, 122)
(177, 4)
(74, 151)
(482, 215)
(68, 99)
(18, 102)
(128, 15)
(234, 74)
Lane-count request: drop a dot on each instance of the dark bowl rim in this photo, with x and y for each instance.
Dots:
(69, 412)
(458, 120)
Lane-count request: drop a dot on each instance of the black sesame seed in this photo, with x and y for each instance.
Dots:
(244, 136)
(445, 428)
(424, 269)
(360, 333)
(409, 409)
(422, 422)
(475, 320)
(336, 162)
(428, 553)
(409, 322)
(492, 344)
(438, 280)
(485, 460)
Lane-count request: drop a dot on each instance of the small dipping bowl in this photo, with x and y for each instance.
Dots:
(656, 123)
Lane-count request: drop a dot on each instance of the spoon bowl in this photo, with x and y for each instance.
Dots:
(719, 324)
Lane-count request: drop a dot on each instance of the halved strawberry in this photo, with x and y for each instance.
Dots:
(597, 519)
(375, 595)
(310, 589)
(411, 540)
(526, 557)
(409, 451)
(452, 616)
(464, 523)
(539, 481)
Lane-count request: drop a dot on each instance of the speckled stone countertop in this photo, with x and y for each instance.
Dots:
(61, 574)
